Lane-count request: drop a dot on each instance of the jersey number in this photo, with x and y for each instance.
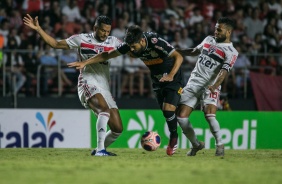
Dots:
(214, 95)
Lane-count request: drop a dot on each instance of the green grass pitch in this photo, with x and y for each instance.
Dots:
(134, 166)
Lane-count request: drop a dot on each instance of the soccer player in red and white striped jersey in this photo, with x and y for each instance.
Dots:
(93, 81)
(216, 58)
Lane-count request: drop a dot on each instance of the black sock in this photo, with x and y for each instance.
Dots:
(171, 121)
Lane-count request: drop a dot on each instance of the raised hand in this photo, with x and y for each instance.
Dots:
(76, 64)
(30, 22)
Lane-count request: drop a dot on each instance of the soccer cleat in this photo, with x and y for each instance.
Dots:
(219, 150)
(93, 153)
(112, 154)
(102, 153)
(194, 150)
(172, 146)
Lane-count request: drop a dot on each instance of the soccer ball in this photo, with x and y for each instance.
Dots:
(150, 141)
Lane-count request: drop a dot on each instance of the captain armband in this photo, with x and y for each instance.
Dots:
(226, 67)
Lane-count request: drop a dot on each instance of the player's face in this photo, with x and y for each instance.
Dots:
(102, 32)
(221, 33)
(139, 47)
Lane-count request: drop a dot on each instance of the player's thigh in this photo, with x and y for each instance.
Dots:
(210, 101)
(115, 122)
(160, 98)
(98, 103)
(210, 109)
(183, 111)
(189, 98)
(171, 99)
(94, 97)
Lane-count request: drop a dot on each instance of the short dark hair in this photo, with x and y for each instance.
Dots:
(102, 19)
(133, 34)
(227, 21)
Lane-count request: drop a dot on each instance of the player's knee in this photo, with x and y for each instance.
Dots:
(106, 109)
(183, 121)
(117, 129)
(210, 117)
(100, 109)
(182, 111)
(104, 113)
(169, 114)
(98, 104)
(116, 134)
(115, 125)
(181, 114)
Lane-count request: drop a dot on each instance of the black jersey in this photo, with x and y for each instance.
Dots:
(156, 58)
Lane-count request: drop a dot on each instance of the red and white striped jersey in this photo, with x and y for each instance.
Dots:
(214, 57)
(87, 46)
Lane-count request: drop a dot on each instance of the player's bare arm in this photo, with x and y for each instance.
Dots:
(219, 79)
(189, 52)
(103, 56)
(178, 61)
(34, 24)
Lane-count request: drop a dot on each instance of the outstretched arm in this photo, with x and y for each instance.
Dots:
(189, 52)
(34, 24)
(103, 56)
(178, 61)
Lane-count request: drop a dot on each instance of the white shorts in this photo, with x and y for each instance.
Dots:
(194, 95)
(86, 91)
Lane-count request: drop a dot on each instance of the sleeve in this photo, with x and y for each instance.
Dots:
(123, 48)
(200, 46)
(162, 46)
(74, 41)
(230, 59)
(116, 41)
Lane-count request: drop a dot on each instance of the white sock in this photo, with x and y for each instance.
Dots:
(101, 128)
(214, 127)
(188, 130)
(110, 138)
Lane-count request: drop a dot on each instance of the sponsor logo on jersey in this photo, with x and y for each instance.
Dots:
(212, 49)
(158, 47)
(206, 61)
(153, 61)
(95, 47)
(180, 90)
(214, 52)
(99, 49)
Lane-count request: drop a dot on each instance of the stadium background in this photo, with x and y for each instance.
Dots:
(253, 85)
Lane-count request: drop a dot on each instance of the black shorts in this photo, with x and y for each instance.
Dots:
(168, 95)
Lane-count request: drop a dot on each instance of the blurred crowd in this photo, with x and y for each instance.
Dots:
(184, 23)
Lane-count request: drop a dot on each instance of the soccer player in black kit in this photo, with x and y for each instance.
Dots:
(163, 61)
